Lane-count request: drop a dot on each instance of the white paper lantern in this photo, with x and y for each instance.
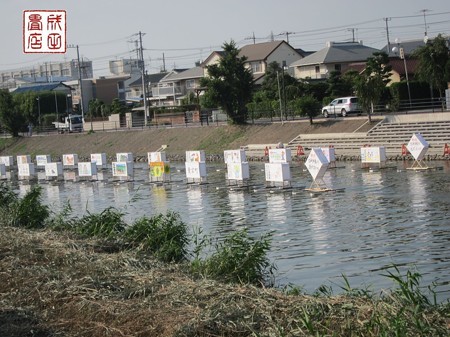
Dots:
(417, 146)
(317, 163)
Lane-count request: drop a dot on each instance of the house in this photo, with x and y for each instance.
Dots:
(260, 55)
(336, 56)
(134, 89)
(175, 86)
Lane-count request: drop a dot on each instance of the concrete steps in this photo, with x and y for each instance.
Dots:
(392, 133)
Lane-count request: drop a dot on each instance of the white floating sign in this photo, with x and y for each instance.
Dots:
(317, 163)
(7, 160)
(122, 169)
(280, 155)
(329, 153)
(234, 156)
(25, 170)
(238, 171)
(23, 159)
(417, 146)
(99, 159)
(195, 156)
(70, 159)
(277, 172)
(53, 169)
(87, 169)
(124, 157)
(156, 157)
(373, 155)
(195, 170)
(42, 159)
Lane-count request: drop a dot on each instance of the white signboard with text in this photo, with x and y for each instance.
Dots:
(70, 159)
(417, 146)
(87, 169)
(373, 154)
(122, 169)
(234, 156)
(238, 171)
(7, 160)
(53, 169)
(99, 159)
(124, 157)
(277, 172)
(195, 170)
(23, 159)
(156, 157)
(195, 156)
(280, 156)
(26, 170)
(42, 159)
(317, 163)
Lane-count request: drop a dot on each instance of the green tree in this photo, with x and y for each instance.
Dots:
(117, 107)
(229, 84)
(12, 119)
(434, 63)
(372, 81)
(307, 106)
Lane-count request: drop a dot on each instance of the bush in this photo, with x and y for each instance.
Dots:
(28, 212)
(239, 259)
(163, 235)
(107, 224)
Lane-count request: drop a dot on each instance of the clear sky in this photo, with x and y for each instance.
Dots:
(187, 31)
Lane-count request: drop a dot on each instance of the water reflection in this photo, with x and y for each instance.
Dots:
(382, 217)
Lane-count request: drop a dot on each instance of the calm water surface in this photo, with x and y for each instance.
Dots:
(381, 217)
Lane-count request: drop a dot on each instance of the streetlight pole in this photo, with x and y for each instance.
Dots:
(279, 94)
(80, 81)
(402, 56)
(38, 99)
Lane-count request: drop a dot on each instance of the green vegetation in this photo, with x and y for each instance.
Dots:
(96, 276)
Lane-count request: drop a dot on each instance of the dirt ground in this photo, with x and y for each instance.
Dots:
(212, 139)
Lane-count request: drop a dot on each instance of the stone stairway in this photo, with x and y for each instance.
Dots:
(390, 133)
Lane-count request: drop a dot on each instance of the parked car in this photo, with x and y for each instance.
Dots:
(342, 106)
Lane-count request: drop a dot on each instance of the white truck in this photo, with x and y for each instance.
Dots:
(72, 123)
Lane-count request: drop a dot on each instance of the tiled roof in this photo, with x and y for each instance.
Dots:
(40, 87)
(338, 53)
(195, 72)
(259, 51)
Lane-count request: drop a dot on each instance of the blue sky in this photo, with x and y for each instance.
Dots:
(187, 31)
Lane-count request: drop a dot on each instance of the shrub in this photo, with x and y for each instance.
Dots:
(163, 235)
(107, 224)
(27, 212)
(239, 259)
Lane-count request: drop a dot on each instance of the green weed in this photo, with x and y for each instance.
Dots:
(107, 224)
(163, 235)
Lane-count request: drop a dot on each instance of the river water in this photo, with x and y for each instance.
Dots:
(374, 219)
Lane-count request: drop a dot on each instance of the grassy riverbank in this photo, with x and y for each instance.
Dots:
(63, 276)
(212, 139)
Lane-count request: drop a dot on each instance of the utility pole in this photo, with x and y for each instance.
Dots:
(144, 91)
(387, 35)
(353, 33)
(80, 81)
(424, 11)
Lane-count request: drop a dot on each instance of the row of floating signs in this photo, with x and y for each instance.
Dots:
(277, 170)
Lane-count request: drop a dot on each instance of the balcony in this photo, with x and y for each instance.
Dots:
(168, 91)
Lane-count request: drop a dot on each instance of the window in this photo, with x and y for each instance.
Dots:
(190, 84)
(317, 69)
(338, 67)
(256, 67)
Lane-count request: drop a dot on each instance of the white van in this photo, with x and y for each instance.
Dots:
(342, 106)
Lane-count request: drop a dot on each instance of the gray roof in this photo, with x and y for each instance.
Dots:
(42, 87)
(408, 46)
(337, 52)
(196, 72)
(259, 51)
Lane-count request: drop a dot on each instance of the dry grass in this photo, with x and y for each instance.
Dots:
(55, 284)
